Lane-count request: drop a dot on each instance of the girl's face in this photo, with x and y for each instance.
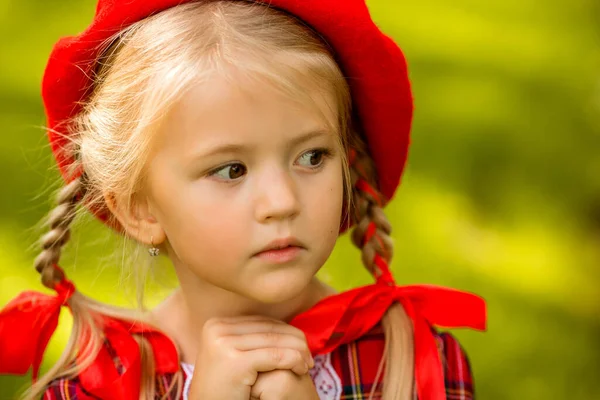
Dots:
(237, 169)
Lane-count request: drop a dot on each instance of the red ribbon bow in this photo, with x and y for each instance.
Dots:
(342, 318)
(27, 323)
(29, 320)
(105, 381)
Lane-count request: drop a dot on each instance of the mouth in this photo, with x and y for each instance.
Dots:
(281, 251)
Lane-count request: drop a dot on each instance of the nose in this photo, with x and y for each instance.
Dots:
(276, 195)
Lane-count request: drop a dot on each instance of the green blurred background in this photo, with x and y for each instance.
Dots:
(501, 197)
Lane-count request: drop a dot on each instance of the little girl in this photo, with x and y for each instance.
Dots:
(239, 139)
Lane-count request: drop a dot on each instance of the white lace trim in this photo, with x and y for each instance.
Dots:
(189, 371)
(326, 380)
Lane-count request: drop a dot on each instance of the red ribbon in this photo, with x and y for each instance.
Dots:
(29, 320)
(105, 381)
(344, 317)
(27, 323)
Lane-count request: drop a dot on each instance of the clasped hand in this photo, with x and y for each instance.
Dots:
(252, 358)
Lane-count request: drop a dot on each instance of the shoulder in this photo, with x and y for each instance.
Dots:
(357, 363)
(457, 368)
(71, 388)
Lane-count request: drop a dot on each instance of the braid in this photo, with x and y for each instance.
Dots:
(372, 236)
(373, 229)
(84, 310)
(59, 221)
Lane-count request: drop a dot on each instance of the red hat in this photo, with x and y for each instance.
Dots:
(380, 87)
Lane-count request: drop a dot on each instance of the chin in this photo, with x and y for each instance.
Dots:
(279, 287)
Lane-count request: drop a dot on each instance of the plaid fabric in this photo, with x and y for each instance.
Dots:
(65, 389)
(355, 363)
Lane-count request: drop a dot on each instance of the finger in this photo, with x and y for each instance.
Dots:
(263, 340)
(270, 359)
(260, 326)
(247, 318)
(232, 325)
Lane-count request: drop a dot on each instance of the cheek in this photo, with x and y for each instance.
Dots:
(201, 232)
(326, 209)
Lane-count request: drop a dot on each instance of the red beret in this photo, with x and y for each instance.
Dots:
(380, 86)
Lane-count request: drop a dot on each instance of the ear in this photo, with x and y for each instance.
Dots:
(136, 218)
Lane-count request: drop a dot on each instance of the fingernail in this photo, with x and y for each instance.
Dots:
(312, 362)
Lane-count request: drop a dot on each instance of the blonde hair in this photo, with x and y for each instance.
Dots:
(141, 72)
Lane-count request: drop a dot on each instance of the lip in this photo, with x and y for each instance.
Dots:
(281, 250)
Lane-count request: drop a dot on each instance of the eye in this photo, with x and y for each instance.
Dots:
(229, 172)
(313, 158)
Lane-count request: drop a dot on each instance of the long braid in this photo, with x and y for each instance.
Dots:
(372, 235)
(59, 221)
(46, 263)
(84, 310)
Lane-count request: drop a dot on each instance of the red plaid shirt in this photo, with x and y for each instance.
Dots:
(347, 374)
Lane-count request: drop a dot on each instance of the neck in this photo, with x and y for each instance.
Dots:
(183, 314)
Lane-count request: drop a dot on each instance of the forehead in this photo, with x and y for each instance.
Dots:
(222, 109)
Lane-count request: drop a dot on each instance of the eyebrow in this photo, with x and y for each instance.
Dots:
(233, 148)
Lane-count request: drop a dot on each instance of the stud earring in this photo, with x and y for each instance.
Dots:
(154, 251)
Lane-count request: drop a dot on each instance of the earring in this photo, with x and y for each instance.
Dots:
(154, 251)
